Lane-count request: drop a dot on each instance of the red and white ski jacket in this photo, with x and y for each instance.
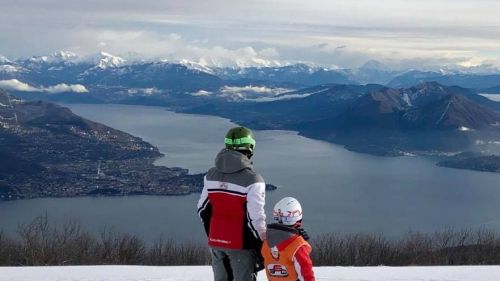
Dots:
(231, 204)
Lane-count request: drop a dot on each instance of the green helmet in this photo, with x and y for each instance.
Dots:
(240, 138)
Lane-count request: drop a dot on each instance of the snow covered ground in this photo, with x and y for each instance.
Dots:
(204, 273)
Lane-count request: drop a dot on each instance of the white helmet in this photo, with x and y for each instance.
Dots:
(287, 211)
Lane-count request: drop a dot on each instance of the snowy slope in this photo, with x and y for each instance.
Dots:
(105, 60)
(203, 273)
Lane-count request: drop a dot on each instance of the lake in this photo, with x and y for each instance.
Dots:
(341, 191)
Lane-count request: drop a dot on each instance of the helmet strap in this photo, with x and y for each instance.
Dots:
(298, 224)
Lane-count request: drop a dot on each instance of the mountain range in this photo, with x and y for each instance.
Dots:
(104, 73)
(465, 80)
(376, 119)
(403, 111)
(428, 117)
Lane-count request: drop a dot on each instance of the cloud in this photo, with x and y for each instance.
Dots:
(258, 32)
(259, 94)
(16, 85)
(220, 56)
(63, 88)
(144, 91)
(284, 97)
(201, 93)
(493, 97)
(134, 44)
(251, 93)
(253, 89)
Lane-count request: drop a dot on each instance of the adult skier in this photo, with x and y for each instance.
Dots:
(231, 207)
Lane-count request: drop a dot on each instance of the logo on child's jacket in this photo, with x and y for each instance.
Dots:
(277, 270)
(275, 253)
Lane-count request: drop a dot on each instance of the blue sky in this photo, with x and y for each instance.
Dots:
(333, 33)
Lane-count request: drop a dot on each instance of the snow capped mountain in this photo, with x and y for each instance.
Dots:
(271, 70)
(482, 69)
(105, 60)
(38, 59)
(4, 59)
(196, 66)
(103, 71)
(302, 67)
(258, 62)
(8, 68)
(64, 56)
(102, 60)
(55, 58)
(296, 74)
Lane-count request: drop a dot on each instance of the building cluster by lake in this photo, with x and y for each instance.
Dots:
(112, 177)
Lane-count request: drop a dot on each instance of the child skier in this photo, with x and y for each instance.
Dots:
(286, 251)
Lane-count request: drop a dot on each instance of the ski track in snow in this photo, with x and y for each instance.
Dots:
(204, 273)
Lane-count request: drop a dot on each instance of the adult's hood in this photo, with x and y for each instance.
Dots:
(230, 161)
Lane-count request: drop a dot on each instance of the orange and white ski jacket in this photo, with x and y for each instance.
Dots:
(286, 255)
